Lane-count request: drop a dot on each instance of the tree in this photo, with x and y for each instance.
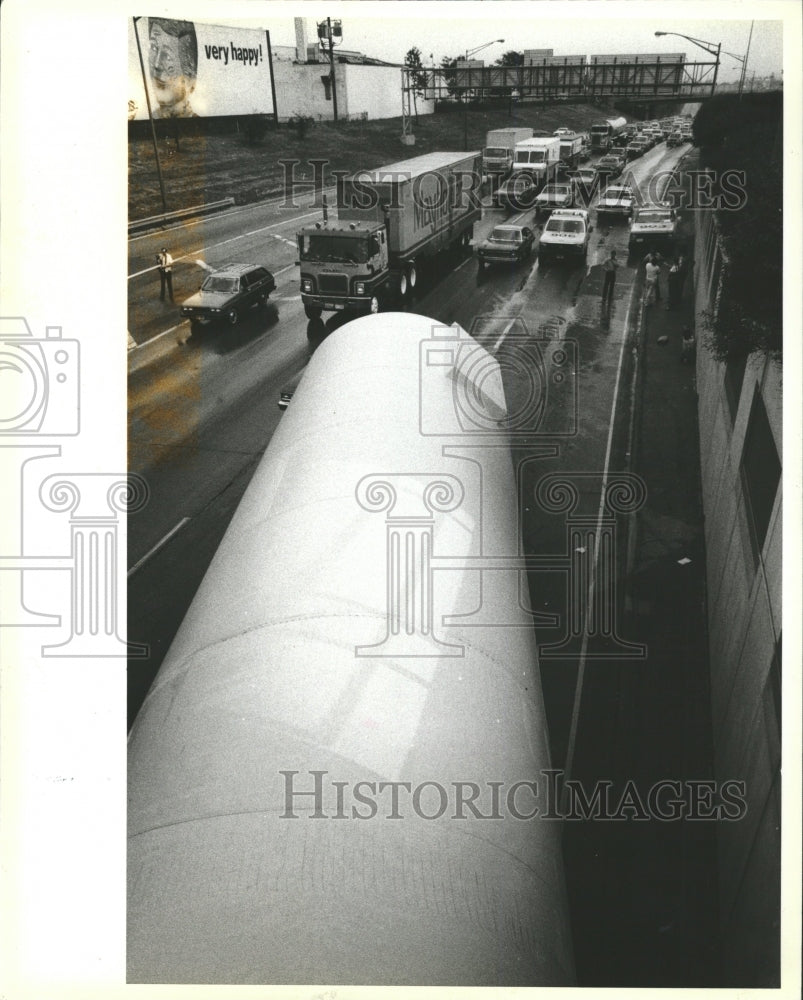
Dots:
(510, 58)
(416, 78)
(450, 76)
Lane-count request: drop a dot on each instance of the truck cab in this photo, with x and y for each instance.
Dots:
(342, 266)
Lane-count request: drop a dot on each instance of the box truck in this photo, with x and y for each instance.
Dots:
(500, 143)
(538, 158)
(389, 221)
(571, 146)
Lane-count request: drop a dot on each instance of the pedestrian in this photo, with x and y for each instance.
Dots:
(609, 267)
(673, 282)
(165, 262)
(651, 287)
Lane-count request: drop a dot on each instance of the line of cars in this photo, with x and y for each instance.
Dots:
(566, 200)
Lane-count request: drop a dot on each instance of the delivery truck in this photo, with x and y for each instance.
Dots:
(500, 144)
(571, 146)
(390, 221)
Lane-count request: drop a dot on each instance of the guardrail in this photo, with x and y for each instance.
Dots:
(181, 213)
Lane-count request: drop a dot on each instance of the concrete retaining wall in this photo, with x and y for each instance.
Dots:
(744, 613)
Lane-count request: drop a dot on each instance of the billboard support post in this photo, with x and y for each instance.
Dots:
(272, 82)
(150, 117)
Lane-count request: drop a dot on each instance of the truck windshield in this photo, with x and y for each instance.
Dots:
(496, 152)
(335, 247)
(530, 156)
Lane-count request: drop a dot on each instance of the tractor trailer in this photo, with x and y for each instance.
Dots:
(389, 222)
(603, 133)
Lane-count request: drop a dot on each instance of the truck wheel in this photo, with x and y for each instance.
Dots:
(313, 312)
(412, 275)
(403, 286)
(374, 306)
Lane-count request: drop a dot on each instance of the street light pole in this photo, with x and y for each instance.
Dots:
(150, 118)
(471, 52)
(744, 61)
(702, 44)
(332, 66)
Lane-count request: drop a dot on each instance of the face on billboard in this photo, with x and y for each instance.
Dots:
(173, 61)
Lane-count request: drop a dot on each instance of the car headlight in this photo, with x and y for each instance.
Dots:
(359, 288)
(306, 284)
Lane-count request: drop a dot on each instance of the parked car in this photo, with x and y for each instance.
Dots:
(616, 201)
(554, 196)
(566, 236)
(506, 244)
(227, 293)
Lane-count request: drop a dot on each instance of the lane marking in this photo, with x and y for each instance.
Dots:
(578, 689)
(158, 545)
(233, 239)
(505, 332)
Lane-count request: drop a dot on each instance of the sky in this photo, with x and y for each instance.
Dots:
(388, 28)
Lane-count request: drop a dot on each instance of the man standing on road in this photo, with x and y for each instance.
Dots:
(165, 273)
(609, 267)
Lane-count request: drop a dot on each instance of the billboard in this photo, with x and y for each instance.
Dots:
(197, 70)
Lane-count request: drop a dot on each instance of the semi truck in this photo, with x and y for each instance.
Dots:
(603, 133)
(500, 144)
(389, 222)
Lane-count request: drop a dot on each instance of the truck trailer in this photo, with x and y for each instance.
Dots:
(389, 221)
(500, 144)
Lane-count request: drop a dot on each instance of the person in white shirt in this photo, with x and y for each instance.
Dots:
(652, 288)
(165, 273)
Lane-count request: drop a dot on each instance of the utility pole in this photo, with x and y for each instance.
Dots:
(150, 117)
(327, 30)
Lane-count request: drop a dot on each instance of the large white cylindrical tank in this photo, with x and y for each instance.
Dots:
(352, 629)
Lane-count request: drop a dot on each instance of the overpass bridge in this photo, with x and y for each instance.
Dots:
(636, 78)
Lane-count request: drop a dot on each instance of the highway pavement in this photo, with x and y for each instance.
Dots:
(201, 414)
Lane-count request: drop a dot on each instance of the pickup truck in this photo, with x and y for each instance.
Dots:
(653, 227)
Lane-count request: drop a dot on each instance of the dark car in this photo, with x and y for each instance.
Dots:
(227, 293)
(554, 196)
(517, 193)
(506, 244)
(610, 165)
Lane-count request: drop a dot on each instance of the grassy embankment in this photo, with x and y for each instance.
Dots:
(208, 168)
